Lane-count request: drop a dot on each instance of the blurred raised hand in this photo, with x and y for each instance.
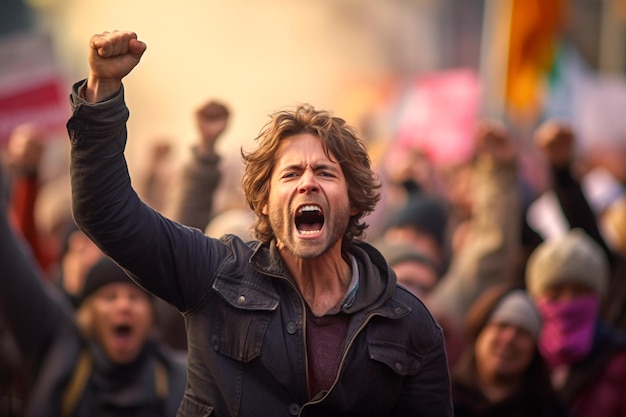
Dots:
(556, 140)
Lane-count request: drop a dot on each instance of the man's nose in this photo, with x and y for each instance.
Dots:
(308, 182)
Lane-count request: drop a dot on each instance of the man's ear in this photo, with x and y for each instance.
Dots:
(264, 209)
(354, 211)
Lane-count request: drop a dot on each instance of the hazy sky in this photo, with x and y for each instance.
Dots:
(256, 55)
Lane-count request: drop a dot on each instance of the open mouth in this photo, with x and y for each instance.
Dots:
(309, 220)
(122, 331)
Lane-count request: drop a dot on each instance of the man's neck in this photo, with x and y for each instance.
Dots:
(323, 281)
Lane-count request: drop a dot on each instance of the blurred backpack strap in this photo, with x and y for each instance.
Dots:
(77, 383)
(160, 379)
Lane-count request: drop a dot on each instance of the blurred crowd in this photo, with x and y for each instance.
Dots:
(525, 271)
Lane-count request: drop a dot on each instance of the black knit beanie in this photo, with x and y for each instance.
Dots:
(103, 272)
(424, 213)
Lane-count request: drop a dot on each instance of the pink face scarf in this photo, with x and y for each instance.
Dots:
(568, 326)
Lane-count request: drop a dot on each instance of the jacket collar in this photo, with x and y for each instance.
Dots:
(376, 280)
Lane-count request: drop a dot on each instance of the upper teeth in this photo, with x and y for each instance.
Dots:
(309, 208)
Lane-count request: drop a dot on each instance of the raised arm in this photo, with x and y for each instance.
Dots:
(29, 306)
(557, 142)
(192, 203)
(490, 251)
(165, 257)
(25, 150)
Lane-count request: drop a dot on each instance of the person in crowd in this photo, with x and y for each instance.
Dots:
(98, 360)
(501, 372)
(568, 276)
(77, 255)
(422, 223)
(159, 174)
(21, 158)
(23, 155)
(64, 256)
(404, 170)
(419, 274)
(414, 269)
(486, 248)
(40, 211)
(284, 325)
(557, 142)
(192, 200)
(564, 206)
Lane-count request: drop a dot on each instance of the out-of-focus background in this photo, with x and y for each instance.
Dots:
(401, 71)
(461, 209)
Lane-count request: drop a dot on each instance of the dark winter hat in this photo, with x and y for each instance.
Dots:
(396, 252)
(102, 273)
(424, 213)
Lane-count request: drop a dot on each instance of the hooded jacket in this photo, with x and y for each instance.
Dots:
(246, 321)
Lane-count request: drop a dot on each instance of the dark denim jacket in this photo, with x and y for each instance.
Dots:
(245, 319)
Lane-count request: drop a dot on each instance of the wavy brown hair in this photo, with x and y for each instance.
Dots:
(340, 142)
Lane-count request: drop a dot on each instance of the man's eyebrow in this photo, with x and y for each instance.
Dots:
(325, 166)
(289, 167)
(315, 166)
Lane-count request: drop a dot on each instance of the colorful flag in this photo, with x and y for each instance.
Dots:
(534, 28)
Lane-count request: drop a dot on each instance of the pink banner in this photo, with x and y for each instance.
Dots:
(438, 114)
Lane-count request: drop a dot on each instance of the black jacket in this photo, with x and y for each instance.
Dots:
(245, 318)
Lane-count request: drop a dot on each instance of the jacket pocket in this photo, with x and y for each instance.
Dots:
(396, 356)
(191, 408)
(242, 318)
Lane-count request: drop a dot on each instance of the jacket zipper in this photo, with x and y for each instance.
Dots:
(306, 353)
(341, 364)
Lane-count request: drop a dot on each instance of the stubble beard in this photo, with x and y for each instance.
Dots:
(284, 229)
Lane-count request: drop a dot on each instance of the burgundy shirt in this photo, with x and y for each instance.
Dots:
(325, 338)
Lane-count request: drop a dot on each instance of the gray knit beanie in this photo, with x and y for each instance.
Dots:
(572, 258)
(518, 309)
